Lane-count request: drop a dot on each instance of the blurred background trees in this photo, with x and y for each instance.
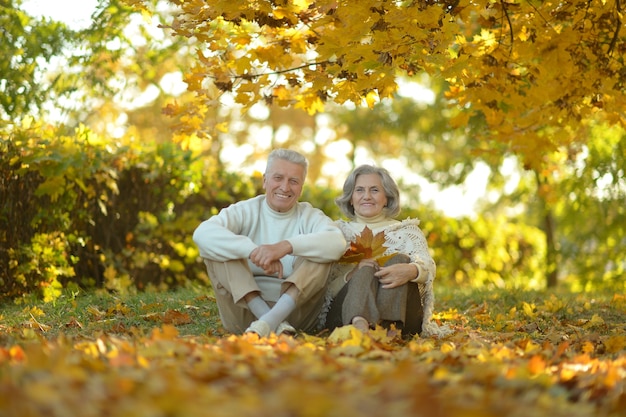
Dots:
(111, 155)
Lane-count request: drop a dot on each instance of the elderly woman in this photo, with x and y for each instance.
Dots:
(364, 293)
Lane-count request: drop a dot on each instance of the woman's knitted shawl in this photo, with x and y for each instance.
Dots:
(400, 237)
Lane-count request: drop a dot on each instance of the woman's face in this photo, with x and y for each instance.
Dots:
(368, 197)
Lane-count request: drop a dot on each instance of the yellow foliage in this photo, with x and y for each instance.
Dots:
(522, 75)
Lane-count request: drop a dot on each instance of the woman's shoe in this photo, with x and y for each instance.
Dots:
(361, 324)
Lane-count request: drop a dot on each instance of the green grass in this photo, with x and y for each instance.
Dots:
(194, 312)
(88, 314)
(537, 313)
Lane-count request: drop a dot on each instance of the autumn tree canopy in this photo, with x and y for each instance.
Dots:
(532, 71)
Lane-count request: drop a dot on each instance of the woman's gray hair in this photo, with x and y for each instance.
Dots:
(392, 209)
(287, 155)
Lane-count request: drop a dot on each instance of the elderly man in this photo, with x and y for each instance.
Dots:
(268, 257)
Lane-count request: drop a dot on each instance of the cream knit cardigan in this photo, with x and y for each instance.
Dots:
(400, 237)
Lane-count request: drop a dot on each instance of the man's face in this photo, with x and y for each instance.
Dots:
(283, 184)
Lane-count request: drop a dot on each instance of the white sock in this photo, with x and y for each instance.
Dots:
(283, 307)
(258, 307)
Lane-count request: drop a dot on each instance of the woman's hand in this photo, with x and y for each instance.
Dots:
(396, 275)
(367, 262)
(362, 264)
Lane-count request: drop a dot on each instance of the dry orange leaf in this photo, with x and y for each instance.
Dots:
(367, 246)
(176, 317)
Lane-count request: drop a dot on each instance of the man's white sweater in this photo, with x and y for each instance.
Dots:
(238, 229)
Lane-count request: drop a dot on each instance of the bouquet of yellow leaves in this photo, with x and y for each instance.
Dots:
(367, 246)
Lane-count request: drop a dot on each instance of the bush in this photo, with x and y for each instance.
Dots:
(469, 253)
(90, 212)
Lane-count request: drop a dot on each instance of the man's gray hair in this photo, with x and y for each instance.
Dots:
(287, 155)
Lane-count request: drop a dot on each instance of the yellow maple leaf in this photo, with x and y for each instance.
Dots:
(615, 344)
(166, 332)
(371, 98)
(367, 246)
(311, 103)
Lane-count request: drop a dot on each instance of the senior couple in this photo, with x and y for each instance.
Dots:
(273, 261)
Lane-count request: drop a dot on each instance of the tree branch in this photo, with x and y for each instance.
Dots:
(618, 27)
(252, 76)
(508, 19)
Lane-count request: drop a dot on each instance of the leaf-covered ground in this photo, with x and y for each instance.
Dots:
(511, 354)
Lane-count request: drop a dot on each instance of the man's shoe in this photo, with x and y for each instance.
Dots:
(259, 327)
(286, 328)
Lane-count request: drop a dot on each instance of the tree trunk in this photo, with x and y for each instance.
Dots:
(552, 268)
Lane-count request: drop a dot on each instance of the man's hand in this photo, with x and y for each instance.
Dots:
(268, 257)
